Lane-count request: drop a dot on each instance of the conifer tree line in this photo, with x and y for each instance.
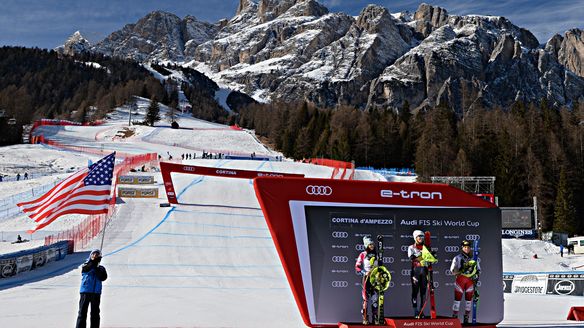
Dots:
(531, 149)
(37, 83)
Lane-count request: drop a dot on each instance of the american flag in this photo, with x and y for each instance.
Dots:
(85, 192)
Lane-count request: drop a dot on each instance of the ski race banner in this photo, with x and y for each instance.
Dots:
(318, 226)
(542, 284)
(26, 260)
(166, 169)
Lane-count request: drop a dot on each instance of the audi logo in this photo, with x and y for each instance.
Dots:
(340, 259)
(405, 272)
(436, 284)
(472, 237)
(448, 273)
(340, 284)
(319, 190)
(479, 283)
(388, 260)
(391, 284)
(404, 248)
(340, 234)
(451, 249)
(360, 247)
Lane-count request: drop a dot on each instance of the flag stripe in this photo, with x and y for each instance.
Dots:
(63, 198)
(87, 191)
(72, 211)
(83, 199)
(79, 175)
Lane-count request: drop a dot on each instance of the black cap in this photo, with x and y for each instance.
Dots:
(466, 243)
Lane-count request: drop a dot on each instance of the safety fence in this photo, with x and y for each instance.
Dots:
(8, 206)
(92, 225)
(30, 259)
(341, 170)
(558, 283)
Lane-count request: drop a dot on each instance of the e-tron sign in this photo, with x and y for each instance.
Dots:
(318, 227)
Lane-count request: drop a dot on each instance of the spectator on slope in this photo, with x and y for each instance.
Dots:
(17, 176)
(561, 250)
(92, 276)
(25, 175)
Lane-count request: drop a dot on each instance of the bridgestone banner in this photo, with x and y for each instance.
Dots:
(318, 226)
(559, 284)
(14, 263)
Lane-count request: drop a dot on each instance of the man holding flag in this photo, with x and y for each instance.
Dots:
(85, 192)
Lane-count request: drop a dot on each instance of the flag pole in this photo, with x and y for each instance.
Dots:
(112, 202)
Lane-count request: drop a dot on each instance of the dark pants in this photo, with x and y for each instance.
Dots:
(419, 285)
(84, 301)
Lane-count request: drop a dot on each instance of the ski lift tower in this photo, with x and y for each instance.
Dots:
(483, 187)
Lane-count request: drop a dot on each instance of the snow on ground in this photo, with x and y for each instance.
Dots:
(208, 262)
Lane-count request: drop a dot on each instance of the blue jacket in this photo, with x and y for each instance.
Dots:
(92, 274)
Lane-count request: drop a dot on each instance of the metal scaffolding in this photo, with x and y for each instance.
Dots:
(473, 185)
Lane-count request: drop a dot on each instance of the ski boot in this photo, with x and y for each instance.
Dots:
(465, 320)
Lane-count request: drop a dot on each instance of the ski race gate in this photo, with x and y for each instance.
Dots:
(317, 226)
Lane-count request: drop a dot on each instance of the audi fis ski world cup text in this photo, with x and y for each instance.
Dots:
(439, 223)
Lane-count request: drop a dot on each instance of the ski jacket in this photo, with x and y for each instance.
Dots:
(365, 262)
(463, 264)
(92, 274)
(415, 254)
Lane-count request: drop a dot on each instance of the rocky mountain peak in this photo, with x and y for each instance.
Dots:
(372, 18)
(429, 18)
(75, 44)
(246, 6)
(571, 52)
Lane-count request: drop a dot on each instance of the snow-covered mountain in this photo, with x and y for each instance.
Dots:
(295, 50)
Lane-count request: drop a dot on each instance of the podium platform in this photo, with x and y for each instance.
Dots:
(441, 322)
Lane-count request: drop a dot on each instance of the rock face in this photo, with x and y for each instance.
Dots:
(156, 37)
(76, 44)
(295, 50)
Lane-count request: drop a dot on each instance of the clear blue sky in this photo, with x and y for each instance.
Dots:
(48, 23)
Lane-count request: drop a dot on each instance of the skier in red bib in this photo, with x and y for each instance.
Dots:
(467, 273)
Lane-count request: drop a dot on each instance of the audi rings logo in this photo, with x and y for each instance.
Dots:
(360, 247)
(448, 273)
(391, 284)
(340, 284)
(404, 248)
(388, 260)
(564, 287)
(451, 249)
(340, 259)
(7, 270)
(319, 190)
(405, 272)
(473, 237)
(340, 234)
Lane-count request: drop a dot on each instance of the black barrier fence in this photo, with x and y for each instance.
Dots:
(557, 284)
(30, 259)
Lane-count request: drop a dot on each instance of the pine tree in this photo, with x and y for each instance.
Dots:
(153, 113)
(564, 210)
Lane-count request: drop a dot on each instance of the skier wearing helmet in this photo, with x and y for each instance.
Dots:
(366, 261)
(467, 273)
(419, 271)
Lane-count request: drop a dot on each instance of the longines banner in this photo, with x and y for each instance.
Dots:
(318, 226)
